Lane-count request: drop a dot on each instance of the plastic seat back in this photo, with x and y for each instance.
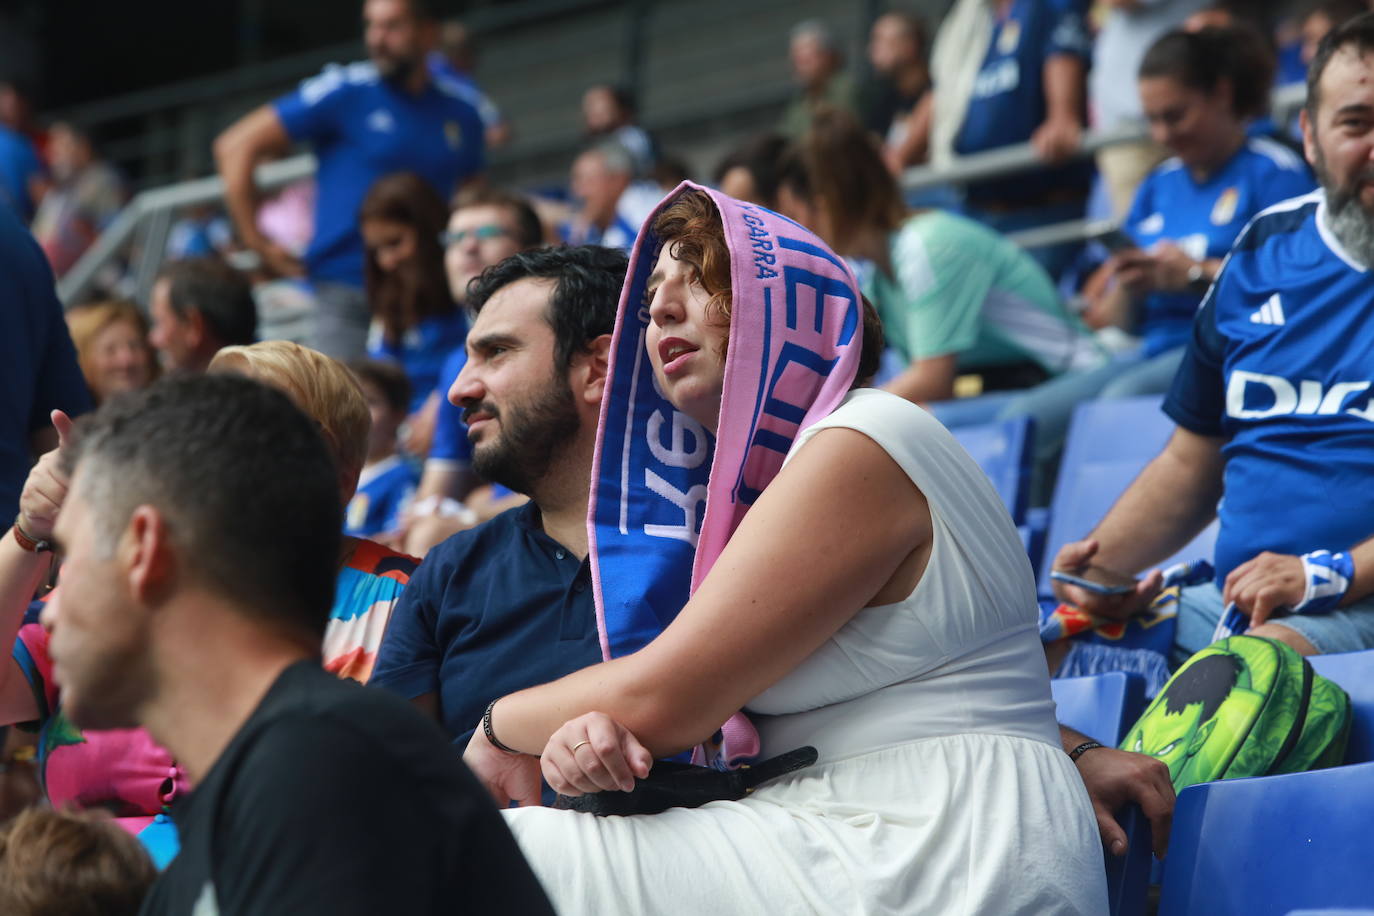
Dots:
(1003, 451)
(1105, 706)
(1108, 444)
(1272, 844)
(1354, 672)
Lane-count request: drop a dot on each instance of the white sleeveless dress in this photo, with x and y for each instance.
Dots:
(941, 786)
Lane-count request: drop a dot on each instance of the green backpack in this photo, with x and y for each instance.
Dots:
(1243, 706)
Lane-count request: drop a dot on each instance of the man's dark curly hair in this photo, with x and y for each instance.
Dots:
(587, 281)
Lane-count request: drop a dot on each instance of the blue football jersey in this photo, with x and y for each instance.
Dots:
(1204, 220)
(361, 128)
(1008, 99)
(1280, 364)
(384, 492)
(450, 447)
(422, 352)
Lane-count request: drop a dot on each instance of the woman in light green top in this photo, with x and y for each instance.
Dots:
(954, 296)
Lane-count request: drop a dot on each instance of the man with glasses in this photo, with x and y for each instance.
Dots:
(487, 226)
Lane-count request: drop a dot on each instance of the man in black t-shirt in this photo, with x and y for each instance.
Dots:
(201, 538)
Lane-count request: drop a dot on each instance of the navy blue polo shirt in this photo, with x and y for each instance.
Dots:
(490, 611)
(38, 371)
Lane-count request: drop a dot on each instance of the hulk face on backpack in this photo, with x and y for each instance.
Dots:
(1244, 706)
(1178, 729)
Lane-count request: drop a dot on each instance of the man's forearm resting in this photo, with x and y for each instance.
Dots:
(1064, 88)
(926, 380)
(1173, 499)
(237, 153)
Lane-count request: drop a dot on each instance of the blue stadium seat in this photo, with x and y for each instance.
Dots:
(1272, 844)
(1003, 451)
(1108, 444)
(1105, 706)
(1032, 532)
(1354, 672)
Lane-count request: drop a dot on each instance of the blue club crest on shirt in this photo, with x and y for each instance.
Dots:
(1010, 37)
(1225, 209)
(453, 133)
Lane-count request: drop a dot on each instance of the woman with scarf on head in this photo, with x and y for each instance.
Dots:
(852, 584)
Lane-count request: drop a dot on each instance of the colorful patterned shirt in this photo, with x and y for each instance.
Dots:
(369, 586)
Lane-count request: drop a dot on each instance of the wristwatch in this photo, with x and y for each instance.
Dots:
(27, 541)
(1196, 275)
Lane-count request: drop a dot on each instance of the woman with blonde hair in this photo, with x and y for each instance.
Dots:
(112, 348)
(371, 576)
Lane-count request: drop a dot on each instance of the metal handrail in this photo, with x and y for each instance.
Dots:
(269, 177)
(1009, 160)
(1022, 157)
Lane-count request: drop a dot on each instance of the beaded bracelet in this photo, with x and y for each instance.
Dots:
(491, 733)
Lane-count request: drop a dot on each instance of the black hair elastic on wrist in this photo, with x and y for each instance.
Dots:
(491, 734)
(1073, 754)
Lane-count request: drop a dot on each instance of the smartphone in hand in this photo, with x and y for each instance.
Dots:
(1096, 579)
(1116, 241)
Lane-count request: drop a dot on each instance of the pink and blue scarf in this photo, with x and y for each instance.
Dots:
(666, 496)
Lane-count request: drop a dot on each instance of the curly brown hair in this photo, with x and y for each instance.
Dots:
(692, 231)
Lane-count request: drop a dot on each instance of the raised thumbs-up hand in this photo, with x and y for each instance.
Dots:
(46, 488)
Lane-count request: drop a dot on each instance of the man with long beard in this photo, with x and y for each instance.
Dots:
(508, 604)
(1274, 404)
(363, 121)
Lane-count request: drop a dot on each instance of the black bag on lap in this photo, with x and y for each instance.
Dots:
(683, 785)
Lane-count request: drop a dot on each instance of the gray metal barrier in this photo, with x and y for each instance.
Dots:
(145, 222)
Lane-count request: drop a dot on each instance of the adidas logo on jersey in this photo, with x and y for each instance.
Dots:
(1269, 313)
(381, 121)
(1308, 397)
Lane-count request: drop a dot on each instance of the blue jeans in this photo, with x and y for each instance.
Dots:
(1349, 629)
(1051, 404)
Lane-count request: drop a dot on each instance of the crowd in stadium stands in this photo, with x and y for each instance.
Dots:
(649, 500)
